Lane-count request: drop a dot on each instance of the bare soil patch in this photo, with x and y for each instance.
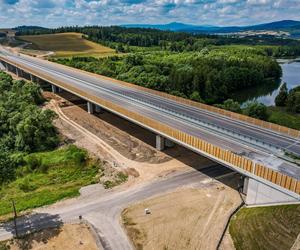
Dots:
(110, 129)
(68, 237)
(192, 218)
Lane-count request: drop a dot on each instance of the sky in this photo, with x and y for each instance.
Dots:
(57, 13)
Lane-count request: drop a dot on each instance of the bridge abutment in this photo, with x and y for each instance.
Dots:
(259, 193)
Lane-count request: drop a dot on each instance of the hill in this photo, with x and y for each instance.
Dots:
(66, 44)
(175, 26)
(284, 25)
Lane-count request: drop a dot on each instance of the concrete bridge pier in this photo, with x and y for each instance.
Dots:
(90, 107)
(2, 66)
(259, 193)
(54, 89)
(160, 142)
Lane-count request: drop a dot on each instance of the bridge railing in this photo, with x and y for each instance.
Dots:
(268, 125)
(223, 155)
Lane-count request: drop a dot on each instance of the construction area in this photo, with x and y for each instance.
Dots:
(184, 211)
(193, 215)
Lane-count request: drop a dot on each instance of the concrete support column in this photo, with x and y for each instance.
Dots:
(2, 66)
(90, 107)
(54, 88)
(31, 78)
(245, 187)
(98, 109)
(160, 143)
(59, 90)
(17, 72)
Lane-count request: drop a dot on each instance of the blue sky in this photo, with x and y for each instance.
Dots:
(54, 13)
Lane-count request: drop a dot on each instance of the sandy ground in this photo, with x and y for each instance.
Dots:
(104, 138)
(191, 218)
(68, 237)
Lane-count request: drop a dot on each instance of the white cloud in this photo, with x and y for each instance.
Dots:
(53, 13)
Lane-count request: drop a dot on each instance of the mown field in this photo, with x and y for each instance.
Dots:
(268, 228)
(47, 177)
(66, 45)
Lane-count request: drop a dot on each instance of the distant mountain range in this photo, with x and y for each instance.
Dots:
(285, 28)
(290, 26)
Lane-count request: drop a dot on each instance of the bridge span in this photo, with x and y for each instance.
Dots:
(258, 150)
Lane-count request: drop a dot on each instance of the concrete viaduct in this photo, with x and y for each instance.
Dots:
(258, 150)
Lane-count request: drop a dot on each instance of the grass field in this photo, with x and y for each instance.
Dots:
(266, 228)
(47, 177)
(66, 45)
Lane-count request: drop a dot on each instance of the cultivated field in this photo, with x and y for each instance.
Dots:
(66, 44)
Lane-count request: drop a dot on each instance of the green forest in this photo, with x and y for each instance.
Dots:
(33, 170)
(208, 76)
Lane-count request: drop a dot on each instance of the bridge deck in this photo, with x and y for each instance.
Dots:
(258, 144)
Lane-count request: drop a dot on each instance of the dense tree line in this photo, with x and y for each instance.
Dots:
(289, 99)
(210, 76)
(121, 38)
(24, 127)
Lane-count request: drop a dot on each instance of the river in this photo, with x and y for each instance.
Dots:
(266, 93)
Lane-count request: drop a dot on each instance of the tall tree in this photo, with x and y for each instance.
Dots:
(282, 96)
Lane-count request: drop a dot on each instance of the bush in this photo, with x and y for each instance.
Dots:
(33, 162)
(7, 168)
(76, 155)
(257, 110)
(26, 185)
(230, 105)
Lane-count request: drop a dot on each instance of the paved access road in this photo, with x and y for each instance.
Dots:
(103, 210)
(177, 115)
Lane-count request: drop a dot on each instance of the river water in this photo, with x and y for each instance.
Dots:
(266, 93)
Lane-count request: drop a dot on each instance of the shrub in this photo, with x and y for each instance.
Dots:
(26, 185)
(33, 162)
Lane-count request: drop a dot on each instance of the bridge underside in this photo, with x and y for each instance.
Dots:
(257, 191)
